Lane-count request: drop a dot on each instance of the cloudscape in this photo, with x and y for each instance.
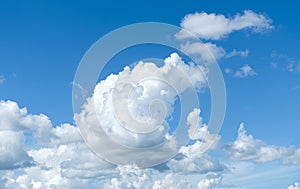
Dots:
(214, 103)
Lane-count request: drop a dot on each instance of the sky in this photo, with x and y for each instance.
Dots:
(255, 44)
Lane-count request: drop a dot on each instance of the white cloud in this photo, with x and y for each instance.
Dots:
(12, 153)
(2, 79)
(209, 183)
(14, 118)
(294, 186)
(129, 99)
(13, 122)
(199, 131)
(246, 147)
(59, 158)
(215, 26)
(205, 52)
(245, 71)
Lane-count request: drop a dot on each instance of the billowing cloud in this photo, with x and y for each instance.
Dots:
(245, 71)
(66, 162)
(215, 26)
(12, 153)
(133, 106)
(14, 121)
(246, 147)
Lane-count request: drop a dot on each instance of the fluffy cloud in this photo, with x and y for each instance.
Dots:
(12, 154)
(213, 26)
(133, 107)
(245, 71)
(294, 186)
(204, 52)
(13, 122)
(246, 147)
(16, 119)
(200, 131)
(57, 157)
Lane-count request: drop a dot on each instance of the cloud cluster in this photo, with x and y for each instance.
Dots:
(40, 155)
(246, 147)
(211, 26)
(66, 162)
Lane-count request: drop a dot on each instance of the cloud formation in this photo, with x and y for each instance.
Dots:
(246, 147)
(133, 108)
(211, 26)
(66, 162)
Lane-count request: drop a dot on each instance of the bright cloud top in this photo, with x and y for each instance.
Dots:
(215, 26)
(132, 109)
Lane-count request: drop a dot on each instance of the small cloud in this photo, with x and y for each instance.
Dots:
(238, 53)
(245, 71)
(228, 70)
(2, 79)
(274, 65)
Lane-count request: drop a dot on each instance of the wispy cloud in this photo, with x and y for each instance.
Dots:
(2, 79)
(238, 53)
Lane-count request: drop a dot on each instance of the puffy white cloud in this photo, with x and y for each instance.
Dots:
(59, 157)
(246, 147)
(199, 131)
(13, 122)
(294, 186)
(14, 118)
(215, 26)
(64, 134)
(245, 71)
(132, 107)
(70, 165)
(12, 154)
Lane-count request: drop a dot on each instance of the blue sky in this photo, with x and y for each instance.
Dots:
(42, 43)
